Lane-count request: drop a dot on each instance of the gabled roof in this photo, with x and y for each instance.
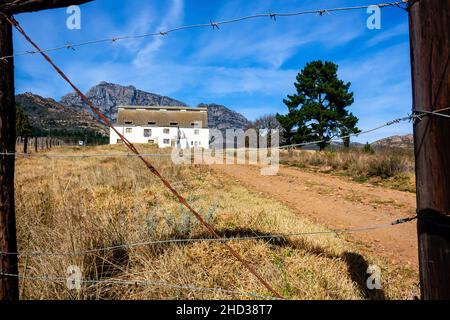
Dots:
(183, 117)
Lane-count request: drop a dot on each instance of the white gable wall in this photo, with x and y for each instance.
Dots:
(163, 137)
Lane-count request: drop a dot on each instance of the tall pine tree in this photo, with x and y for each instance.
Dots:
(318, 111)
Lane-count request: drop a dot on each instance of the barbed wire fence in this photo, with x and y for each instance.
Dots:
(417, 116)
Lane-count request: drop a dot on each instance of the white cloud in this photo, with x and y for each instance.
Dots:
(173, 17)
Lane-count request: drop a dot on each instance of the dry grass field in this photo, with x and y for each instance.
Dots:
(68, 205)
(391, 168)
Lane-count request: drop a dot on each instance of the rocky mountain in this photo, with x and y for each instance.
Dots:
(107, 96)
(403, 142)
(222, 118)
(47, 114)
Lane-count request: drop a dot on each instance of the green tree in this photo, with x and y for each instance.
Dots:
(318, 111)
(368, 148)
(23, 127)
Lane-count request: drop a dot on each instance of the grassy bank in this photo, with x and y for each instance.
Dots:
(71, 205)
(389, 168)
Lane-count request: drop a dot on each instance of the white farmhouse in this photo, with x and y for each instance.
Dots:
(176, 127)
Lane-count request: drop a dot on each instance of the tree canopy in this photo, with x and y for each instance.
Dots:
(318, 110)
(23, 127)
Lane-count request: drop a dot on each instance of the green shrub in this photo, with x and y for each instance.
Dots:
(368, 148)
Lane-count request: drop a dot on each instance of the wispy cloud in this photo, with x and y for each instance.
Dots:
(173, 17)
(386, 35)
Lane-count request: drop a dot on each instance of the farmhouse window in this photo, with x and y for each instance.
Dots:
(166, 131)
(166, 141)
(196, 132)
(147, 133)
(129, 130)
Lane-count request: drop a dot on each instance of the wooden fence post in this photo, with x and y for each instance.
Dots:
(430, 58)
(9, 286)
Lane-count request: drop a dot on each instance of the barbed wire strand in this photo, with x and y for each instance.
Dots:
(142, 283)
(388, 124)
(152, 169)
(214, 25)
(421, 113)
(418, 115)
(247, 238)
(158, 155)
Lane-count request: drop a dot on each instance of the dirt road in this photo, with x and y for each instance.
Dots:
(337, 203)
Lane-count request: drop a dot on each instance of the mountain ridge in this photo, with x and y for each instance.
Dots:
(108, 96)
(397, 141)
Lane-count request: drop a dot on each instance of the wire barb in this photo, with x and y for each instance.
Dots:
(214, 25)
(404, 220)
(70, 46)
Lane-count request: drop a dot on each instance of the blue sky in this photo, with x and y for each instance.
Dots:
(249, 67)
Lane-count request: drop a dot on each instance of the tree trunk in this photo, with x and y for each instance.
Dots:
(8, 243)
(25, 145)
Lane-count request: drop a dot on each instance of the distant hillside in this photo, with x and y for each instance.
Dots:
(108, 96)
(222, 118)
(46, 114)
(403, 142)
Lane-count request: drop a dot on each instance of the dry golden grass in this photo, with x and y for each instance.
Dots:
(71, 205)
(386, 167)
